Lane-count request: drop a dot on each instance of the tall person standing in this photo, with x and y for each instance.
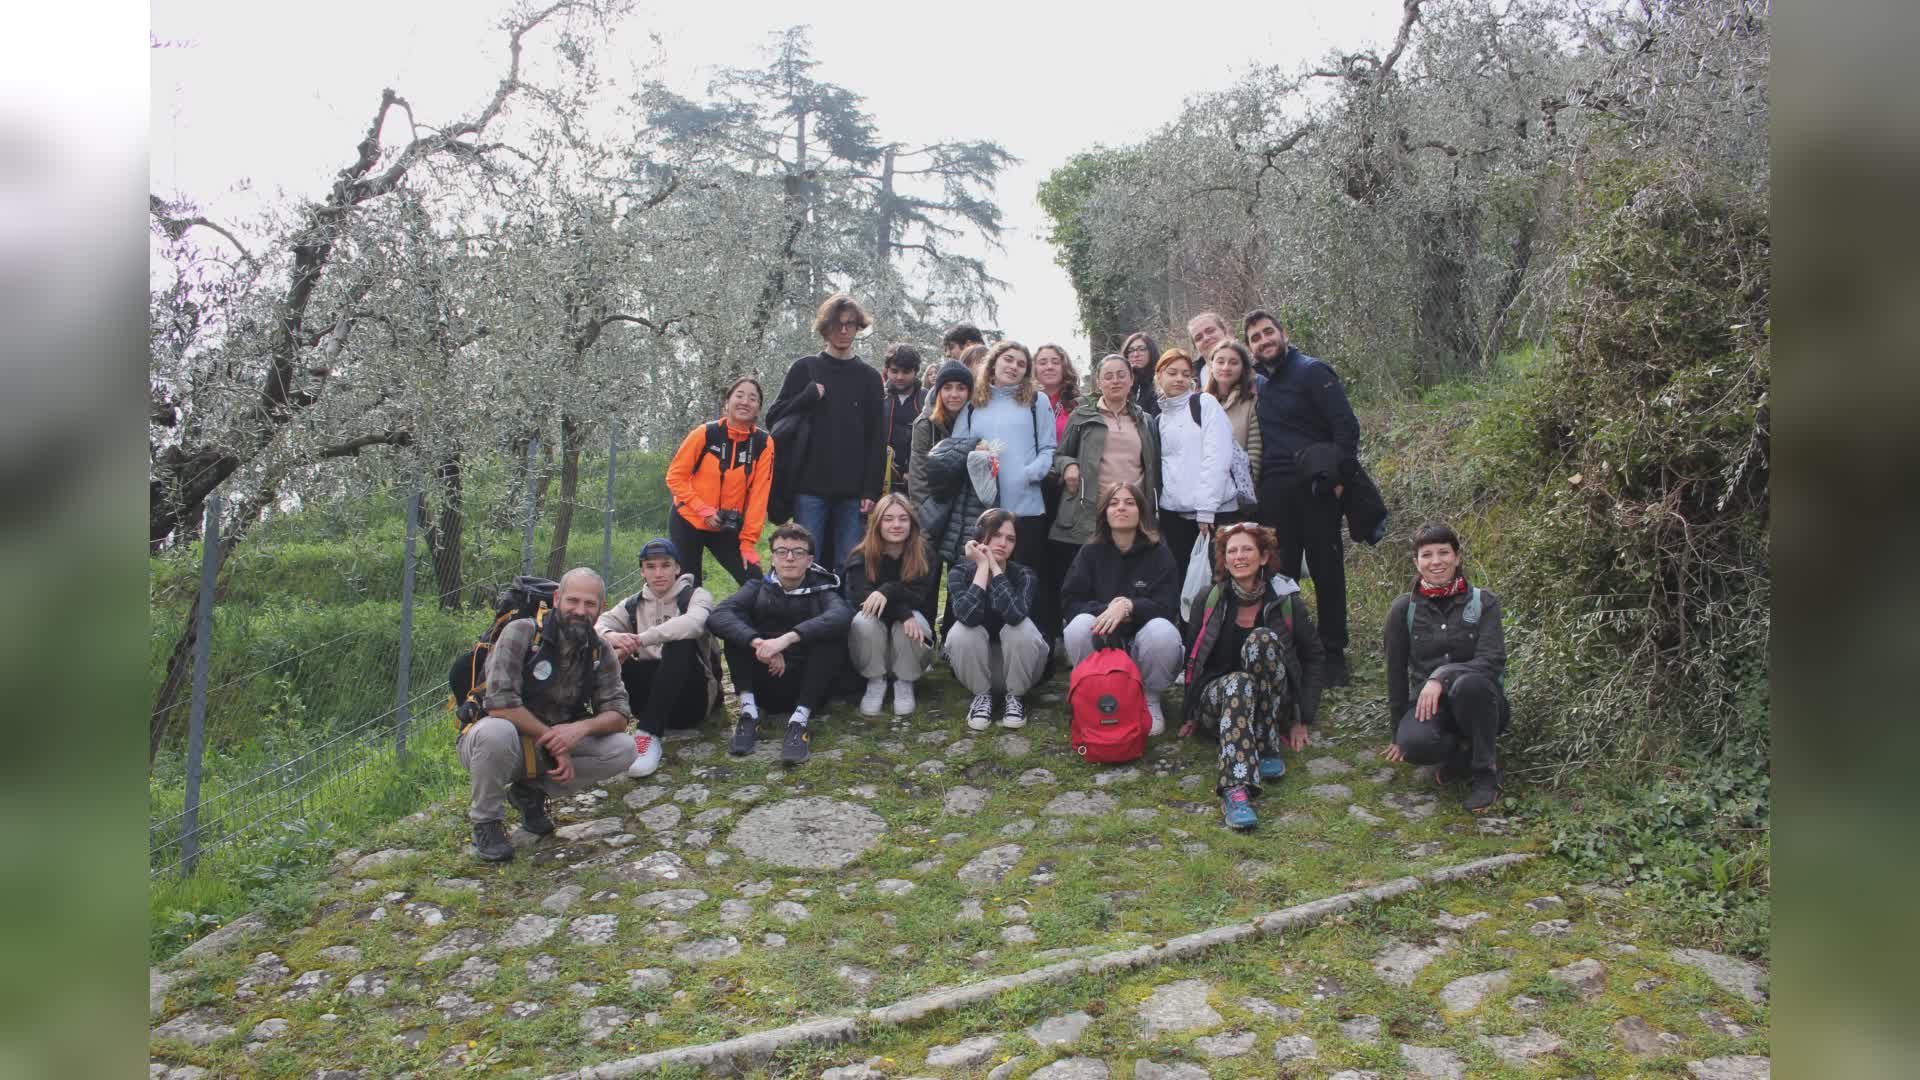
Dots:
(1053, 372)
(1196, 463)
(1301, 404)
(898, 410)
(835, 485)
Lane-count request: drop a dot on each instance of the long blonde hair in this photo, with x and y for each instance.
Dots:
(983, 382)
(913, 553)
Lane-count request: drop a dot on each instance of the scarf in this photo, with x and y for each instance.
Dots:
(1248, 597)
(1455, 588)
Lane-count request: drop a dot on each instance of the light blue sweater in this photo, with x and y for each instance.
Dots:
(1027, 438)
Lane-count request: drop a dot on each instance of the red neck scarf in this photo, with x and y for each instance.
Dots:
(1455, 588)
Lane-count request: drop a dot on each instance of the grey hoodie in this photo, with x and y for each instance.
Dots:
(657, 620)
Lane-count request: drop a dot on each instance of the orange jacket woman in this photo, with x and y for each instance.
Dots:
(719, 478)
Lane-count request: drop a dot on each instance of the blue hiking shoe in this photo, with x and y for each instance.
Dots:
(1237, 810)
(1273, 768)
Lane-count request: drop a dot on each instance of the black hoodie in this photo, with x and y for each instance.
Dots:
(1145, 573)
(763, 609)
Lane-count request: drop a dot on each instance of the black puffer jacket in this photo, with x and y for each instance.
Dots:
(1443, 644)
(951, 507)
(1208, 656)
(763, 609)
(1325, 467)
(1145, 573)
(903, 597)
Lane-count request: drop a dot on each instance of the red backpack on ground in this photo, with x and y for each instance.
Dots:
(1109, 706)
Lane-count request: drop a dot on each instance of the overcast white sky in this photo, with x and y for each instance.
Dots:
(256, 98)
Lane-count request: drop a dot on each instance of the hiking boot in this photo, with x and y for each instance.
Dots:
(1154, 713)
(1016, 714)
(490, 841)
(532, 804)
(980, 713)
(746, 732)
(1483, 791)
(902, 697)
(793, 748)
(1337, 673)
(1273, 768)
(876, 693)
(1236, 809)
(646, 756)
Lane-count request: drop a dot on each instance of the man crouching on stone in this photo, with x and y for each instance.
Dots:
(556, 720)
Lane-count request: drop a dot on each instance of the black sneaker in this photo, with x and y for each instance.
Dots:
(532, 804)
(1336, 669)
(490, 841)
(746, 732)
(793, 748)
(1484, 791)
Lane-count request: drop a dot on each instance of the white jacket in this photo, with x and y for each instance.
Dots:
(1196, 462)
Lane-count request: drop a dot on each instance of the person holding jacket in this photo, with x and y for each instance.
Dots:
(785, 638)
(1011, 416)
(892, 586)
(719, 479)
(1302, 403)
(1253, 661)
(835, 482)
(666, 656)
(1196, 445)
(991, 597)
(1447, 654)
(1122, 588)
(943, 499)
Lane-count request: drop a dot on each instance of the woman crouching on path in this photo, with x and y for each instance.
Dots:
(892, 587)
(1253, 667)
(1447, 653)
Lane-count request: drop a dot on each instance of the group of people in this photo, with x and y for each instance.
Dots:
(1064, 521)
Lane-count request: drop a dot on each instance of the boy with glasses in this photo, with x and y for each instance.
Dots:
(837, 479)
(785, 637)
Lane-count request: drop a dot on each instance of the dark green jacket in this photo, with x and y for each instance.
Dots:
(1085, 438)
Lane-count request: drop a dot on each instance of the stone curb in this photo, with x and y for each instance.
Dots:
(747, 1050)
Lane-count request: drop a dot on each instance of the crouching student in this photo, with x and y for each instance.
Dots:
(1122, 588)
(1253, 666)
(555, 717)
(666, 656)
(1446, 653)
(785, 637)
(991, 597)
(892, 587)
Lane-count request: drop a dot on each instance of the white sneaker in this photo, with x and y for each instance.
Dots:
(876, 692)
(1159, 718)
(902, 698)
(980, 713)
(648, 758)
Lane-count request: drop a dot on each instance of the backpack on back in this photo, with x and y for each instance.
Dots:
(525, 598)
(1109, 707)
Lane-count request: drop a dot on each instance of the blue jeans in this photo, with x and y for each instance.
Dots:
(834, 523)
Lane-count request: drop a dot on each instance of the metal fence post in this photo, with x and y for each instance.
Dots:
(197, 718)
(403, 678)
(526, 541)
(606, 545)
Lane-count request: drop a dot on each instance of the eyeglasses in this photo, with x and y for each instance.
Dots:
(847, 324)
(792, 553)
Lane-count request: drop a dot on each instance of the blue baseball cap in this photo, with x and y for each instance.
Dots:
(657, 547)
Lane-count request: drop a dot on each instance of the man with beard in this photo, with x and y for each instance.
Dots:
(1301, 405)
(556, 716)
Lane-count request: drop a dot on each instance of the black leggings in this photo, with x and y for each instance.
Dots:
(1468, 722)
(670, 692)
(1180, 531)
(810, 672)
(1030, 551)
(724, 543)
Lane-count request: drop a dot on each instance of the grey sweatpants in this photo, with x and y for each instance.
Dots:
(879, 649)
(1023, 652)
(491, 752)
(1155, 650)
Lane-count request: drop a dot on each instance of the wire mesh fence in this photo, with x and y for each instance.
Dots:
(326, 660)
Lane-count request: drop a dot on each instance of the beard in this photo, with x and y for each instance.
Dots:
(573, 633)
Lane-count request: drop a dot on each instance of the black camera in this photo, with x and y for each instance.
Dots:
(730, 520)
